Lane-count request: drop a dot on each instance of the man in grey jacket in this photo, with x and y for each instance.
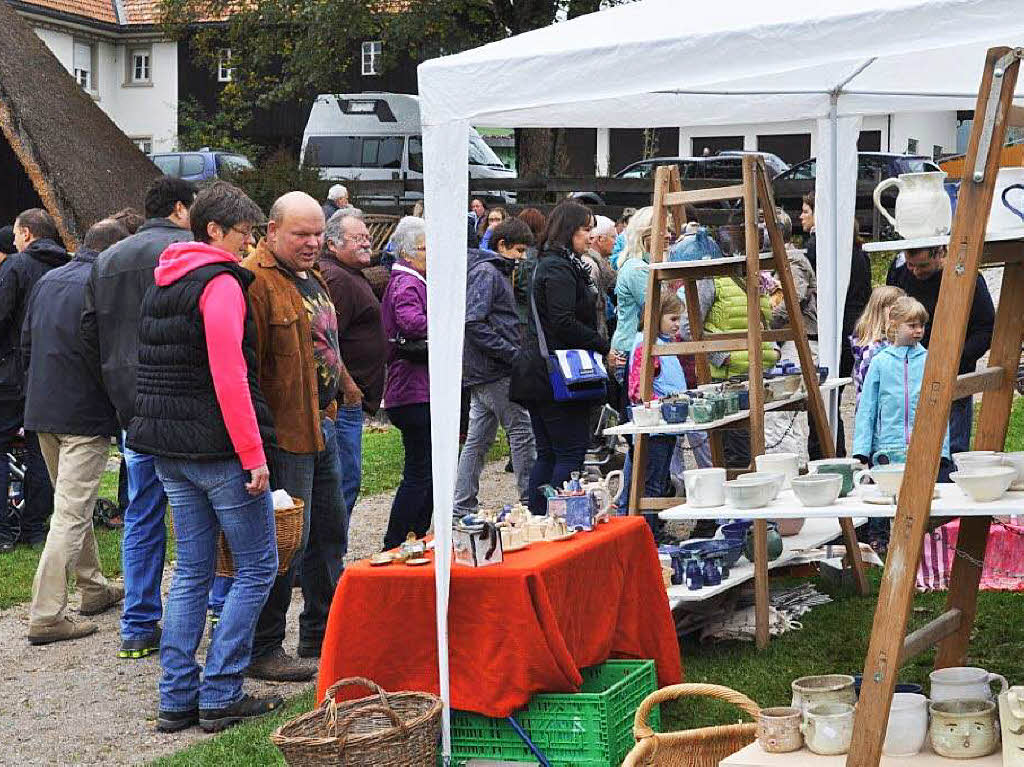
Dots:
(491, 348)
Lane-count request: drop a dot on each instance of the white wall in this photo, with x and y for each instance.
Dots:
(929, 128)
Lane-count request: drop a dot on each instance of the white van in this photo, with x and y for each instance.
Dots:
(376, 137)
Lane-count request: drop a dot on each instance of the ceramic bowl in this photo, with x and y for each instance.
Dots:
(984, 485)
(887, 478)
(749, 493)
(675, 412)
(776, 477)
(853, 463)
(736, 531)
(817, 489)
(789, 525)
(644, 416)
(978, 459)
(729, 550)
(1016, 460)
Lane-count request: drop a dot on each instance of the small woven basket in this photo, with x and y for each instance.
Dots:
(382, 730)
(703, 747)
(289, 536)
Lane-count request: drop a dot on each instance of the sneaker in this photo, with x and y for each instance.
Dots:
(66, 628)
(173, 721)
(6, 547)
(246, 707)
(278, 666)
(113, 594)
(140, 648)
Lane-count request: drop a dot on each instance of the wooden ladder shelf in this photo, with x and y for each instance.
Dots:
(756, 193)
(889, 646)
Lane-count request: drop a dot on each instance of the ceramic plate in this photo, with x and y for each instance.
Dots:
(418, 561)
(520, 547)
(565, 537)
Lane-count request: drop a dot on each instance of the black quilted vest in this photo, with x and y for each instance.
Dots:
(176, 409)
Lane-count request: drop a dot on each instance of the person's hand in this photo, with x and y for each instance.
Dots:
(351, 395)
(260, 480)
(616, 359)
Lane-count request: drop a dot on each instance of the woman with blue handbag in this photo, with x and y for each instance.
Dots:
(561, 374)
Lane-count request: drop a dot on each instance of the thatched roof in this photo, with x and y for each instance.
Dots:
(81, 165)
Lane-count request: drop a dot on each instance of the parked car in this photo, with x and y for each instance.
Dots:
(202, 165)
(775, 164)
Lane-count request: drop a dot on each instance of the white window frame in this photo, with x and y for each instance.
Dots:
(225, 71)
(372, 52)
(144, 143)
(145, 76)
(86, 78)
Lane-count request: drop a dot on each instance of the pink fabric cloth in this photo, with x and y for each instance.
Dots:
(1004, 558)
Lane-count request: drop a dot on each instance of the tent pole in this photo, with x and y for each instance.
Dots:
(833, 395)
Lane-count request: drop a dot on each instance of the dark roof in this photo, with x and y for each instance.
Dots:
(81, 165)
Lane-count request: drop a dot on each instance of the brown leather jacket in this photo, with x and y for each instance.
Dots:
(287, 371)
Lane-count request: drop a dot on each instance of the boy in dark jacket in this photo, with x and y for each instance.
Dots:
(492, 345)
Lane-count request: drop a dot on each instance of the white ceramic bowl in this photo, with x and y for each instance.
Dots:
(749, 493)
(978, 460)
(984, 485)
(853, 463)
(1016, 460)
(777, 479)
(887, 478)
(643, 416)
(817, 489)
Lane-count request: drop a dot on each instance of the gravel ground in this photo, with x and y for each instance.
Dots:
(76, 703)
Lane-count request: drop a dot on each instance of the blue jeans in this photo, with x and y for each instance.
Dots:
(316, 479)
(961, 415)
(413, 506)
(349, 431)
(143, 547)
(207, 497)
(656, 474)
(561, 431)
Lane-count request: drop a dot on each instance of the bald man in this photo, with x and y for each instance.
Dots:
(299, 373)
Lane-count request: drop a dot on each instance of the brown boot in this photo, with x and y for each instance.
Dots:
(94, 605)
(279, 666)
(65, 628)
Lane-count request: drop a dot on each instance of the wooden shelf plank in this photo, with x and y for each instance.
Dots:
(754, 756)
(710, 267)
(888, 246)
(987, 379)
(704, 195)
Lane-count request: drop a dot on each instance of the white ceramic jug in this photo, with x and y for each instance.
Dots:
(963, 683)
(787, 464)
(704, 487)
(923, 208)
(1008, 201)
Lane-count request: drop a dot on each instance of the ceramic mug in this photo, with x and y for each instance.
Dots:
(964, 683)
(963, 729)
(1005, 214)
(704, 487)
(828, 728)
(778, 729)
(827, 688)
(845, 470)
(907, 727)
(787, 464)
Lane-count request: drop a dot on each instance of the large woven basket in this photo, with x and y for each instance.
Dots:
(703, 747)
(382, 730)
(289, 536)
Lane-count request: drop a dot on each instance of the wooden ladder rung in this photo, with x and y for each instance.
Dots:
(719, 342)
(986, 379)
(730, 266)
(930, 634)
(704, 195)
(650, 503)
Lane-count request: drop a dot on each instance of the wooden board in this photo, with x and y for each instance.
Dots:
(754, 756)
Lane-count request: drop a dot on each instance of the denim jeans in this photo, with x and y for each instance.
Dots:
(657, 482)
(349, 431)
(413, 506)
(143, 547)
(207, 497)
(961, 415)
(316, 479)
(490, 406)
(562, 434)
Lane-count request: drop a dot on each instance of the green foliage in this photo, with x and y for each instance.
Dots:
(278, 173)
(224, 129)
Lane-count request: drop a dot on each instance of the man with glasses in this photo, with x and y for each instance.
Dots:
(920, 276)
(364, 345)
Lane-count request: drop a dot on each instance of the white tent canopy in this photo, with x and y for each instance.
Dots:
(671, 63)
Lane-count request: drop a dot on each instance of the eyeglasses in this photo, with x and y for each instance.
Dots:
(246, 233)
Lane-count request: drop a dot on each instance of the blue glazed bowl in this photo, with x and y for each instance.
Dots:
(736, 531)
(675, 412)
(729, 549)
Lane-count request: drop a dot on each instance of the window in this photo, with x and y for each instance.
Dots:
(169, 164)
(333, 151)
(371, 57)
(84, 69)
(731, 168)
(911, 146)
(385, 152)
(192, 165)
(803, 171)
(144, 143)
(232, 163)
(139, 63)
(225, 70)
(415, 154)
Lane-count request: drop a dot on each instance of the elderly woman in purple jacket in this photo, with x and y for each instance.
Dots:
(407, 392)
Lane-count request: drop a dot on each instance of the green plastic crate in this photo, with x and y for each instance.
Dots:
(589, 728)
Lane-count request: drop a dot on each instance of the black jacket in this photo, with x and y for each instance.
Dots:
(493, 337)
(19, 273)
(565, 299)
(113, 297)
(329, 208)
(63, 394)
(979, 324)
(858, 293)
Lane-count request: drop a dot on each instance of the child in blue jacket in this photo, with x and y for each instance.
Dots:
(888, 400)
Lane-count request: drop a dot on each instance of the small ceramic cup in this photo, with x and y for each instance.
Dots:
(778, 730)
(963, 729)
(828, 728)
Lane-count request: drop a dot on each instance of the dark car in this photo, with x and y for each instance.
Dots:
(202, 165)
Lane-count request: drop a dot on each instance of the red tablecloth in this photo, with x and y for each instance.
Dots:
(1004, 558)
(525, 626)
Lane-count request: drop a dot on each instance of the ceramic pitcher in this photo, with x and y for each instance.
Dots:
(601, 495)
(704, 487)
(963, 683)
(1011, 717)
(923, 208)
(1007, 211)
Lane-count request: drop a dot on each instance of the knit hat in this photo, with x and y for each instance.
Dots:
(7, 240)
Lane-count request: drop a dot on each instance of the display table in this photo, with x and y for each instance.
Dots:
(522, 627)
(754, 756)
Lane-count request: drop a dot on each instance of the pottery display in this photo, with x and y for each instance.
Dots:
(907, 726)
(702, 411)
(828, 688)
(727, 550)
(963, 729)
(704, 487)
(675, 412)
(828, 728)
(787, 464)
(887, 478)
(774, 541)
(778, 729)
(977, 459)
(648, 414)
(985, 485)
(776, 478)
(789, 526)
(736, 530)
(1016, 460)
(1007, 212)
(601, 496)
(844, 467)
(1011, 720)
(818, 489)
(923, 208)
(749, 493)
(964, 683)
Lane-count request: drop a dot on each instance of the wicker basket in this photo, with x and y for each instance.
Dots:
(289, 535)
(385, 730)
(703, 747)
